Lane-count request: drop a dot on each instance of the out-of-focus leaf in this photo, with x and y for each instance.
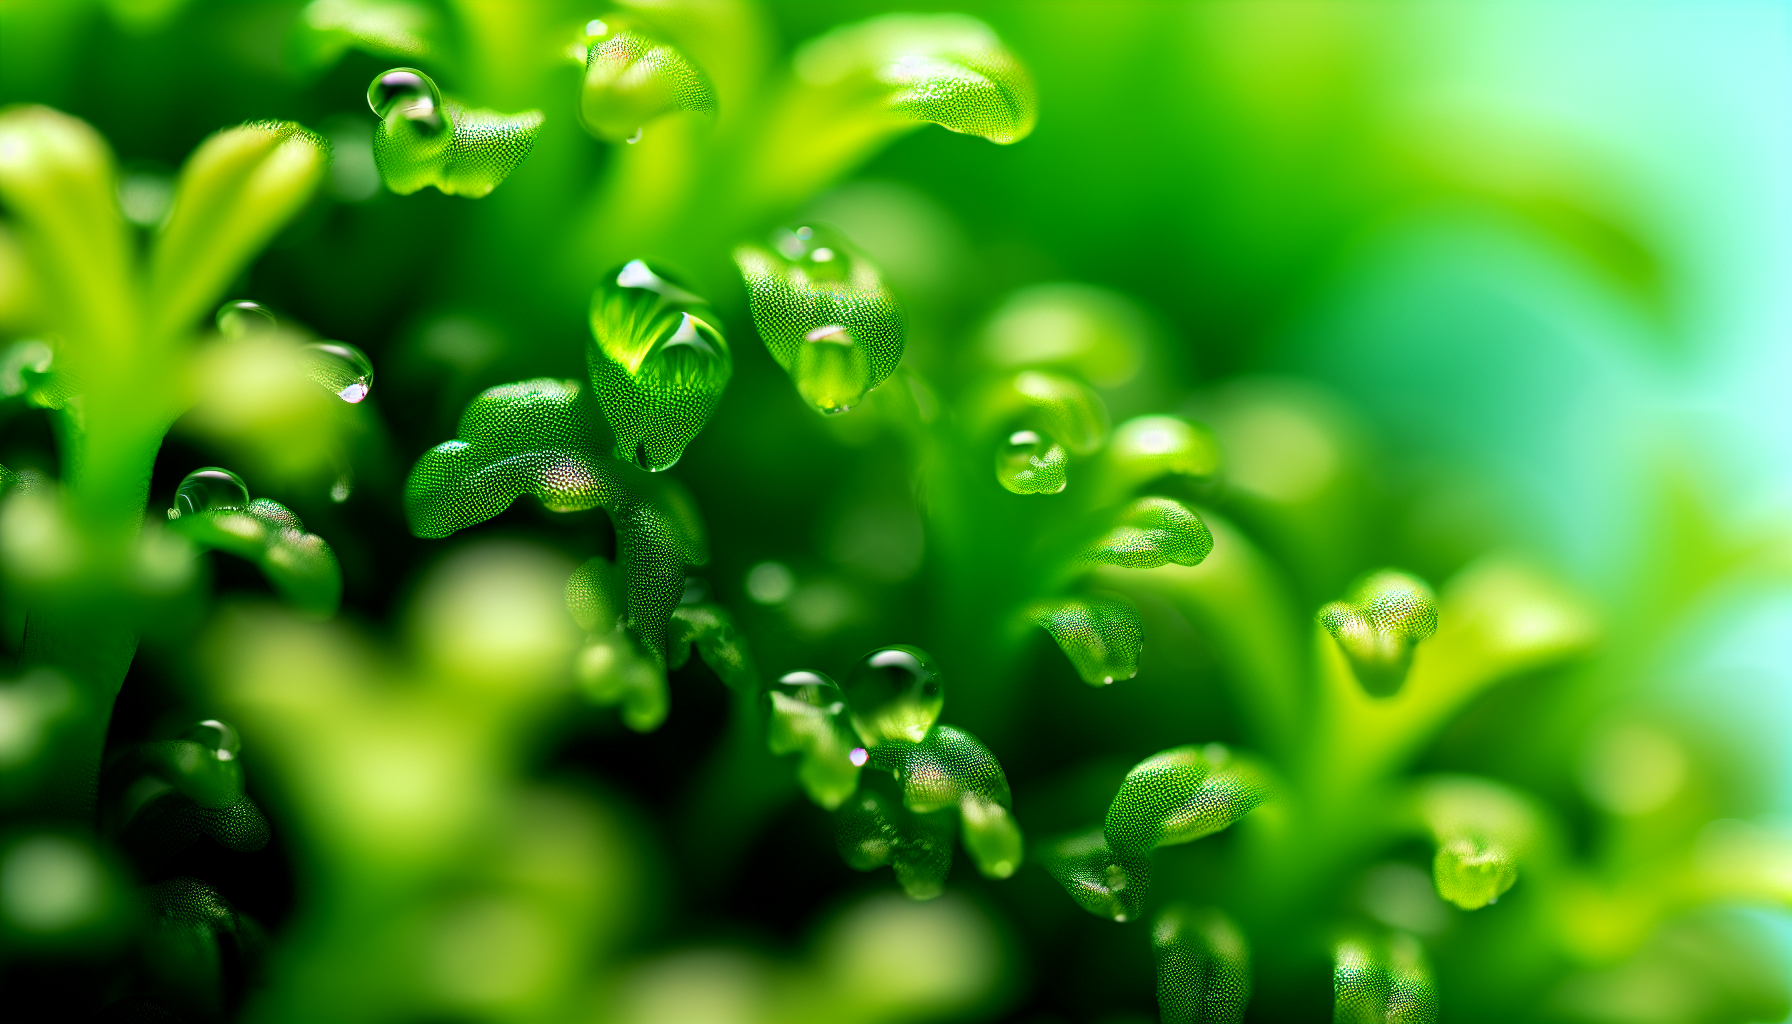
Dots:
(387, 28)
(633, 79)
(1482, 829)
(1203, 966)
(809, 717)
(709, 630)
(299, 565)
(1095, 333)
(873, 831)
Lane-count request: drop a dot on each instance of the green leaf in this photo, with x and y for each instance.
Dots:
(945, 68)
(237, 189)
(195, 771)
(825, 315)
(1061, 407)
(385, 28)
(953, 769)
(1031, 463)
(708, 629)
(872, 831)
(1101, 635)
(1148, 447)
(534, 437)
(612, 670)
(426, 139)
(1203, 966)
(1101, 882)
(633, 79)
(1481, 829)
(808, 717)
(1387, 613)
(1180, 795)
(1382, 982)
(1154, 532)
(658, 362)
(299, 565)
(58, 182)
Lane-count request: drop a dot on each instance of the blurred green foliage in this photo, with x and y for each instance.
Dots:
(946, 336)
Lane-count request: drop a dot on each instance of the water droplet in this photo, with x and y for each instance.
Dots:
(208, 488)
(242, 318)
(410, 95)
(1030, 462)
(894, 693)
(342, 488)
(632, 139)
(824, 314)
(632, 80)
(343, 369)
(858, 756)
(811, 688)
(770, 583)
(217, 736)
(658, 361)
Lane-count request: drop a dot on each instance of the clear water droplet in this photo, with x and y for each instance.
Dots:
(895, 693)
(632, 139)
(859, 756)
(217, 736)
(242, 318)
(596, 29)
(812, 688)
(1030, 462)
(343, 369)
(208, 488)
(411, 95)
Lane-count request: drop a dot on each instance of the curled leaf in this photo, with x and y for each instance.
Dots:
(1154, 532)
(533, 437)
(824, 314)
(948, 69)
(632, 79)
(300, 565)
(425, 139)
(1101, 882)
(658, 363)
(1203, 966)
(1387, 613)
(1481, 829)
(953, 769)
(1180, 795)
(1100, 634)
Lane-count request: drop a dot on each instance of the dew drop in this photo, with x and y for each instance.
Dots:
(208, 488)
(859, 756)
(242, 318)
(411, 95)
(811, 688)
(343, 369)
(219, 737)
(895, 693)
(1031, 462)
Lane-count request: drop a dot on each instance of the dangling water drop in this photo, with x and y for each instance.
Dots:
(1030, 462)
(344, 369)
(242, 318)
(217, 736)
(824, 313)
(208, 488)
(658, 362)
(411, 95)
(894, 693)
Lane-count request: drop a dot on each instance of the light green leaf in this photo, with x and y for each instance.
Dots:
(534, 437)
(808, 717)
(1028, 462)
(1482, 829)
(299, 565)
(953, 769)
(237, 189)
(946, 68)
(1180, 795)
(872, 831)
(1154, 532)
(426, 139)
(1148, 447)
(387, 28)
(1101, 882)
(1203, 966)
(1101, 635)
(1096, 333)
(708, 629)
(824, 314)
(633, 79)
(658, 362)
(1387, 613)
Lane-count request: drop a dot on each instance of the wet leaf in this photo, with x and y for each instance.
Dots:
(300, 565)
(1382, 982)
(953, 769)
(1387, 613)
(1154, 532)
(1100, 634)
(872, 831)
(708, 629)
(658, 362)
(633, 79)
(824, 313)
(425, 139)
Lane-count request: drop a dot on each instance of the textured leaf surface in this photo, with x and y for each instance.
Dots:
(1100, 634)
(1154, 532)
(1382, 982)
(825, 315)
(1481, 829)
(300, 565)
(633, 79)
(534, 437)
(1203, 967)
(953, 769)
(948, 69)
(1099, 881)
(460, 150)
(659, 364)
(1387, 613)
